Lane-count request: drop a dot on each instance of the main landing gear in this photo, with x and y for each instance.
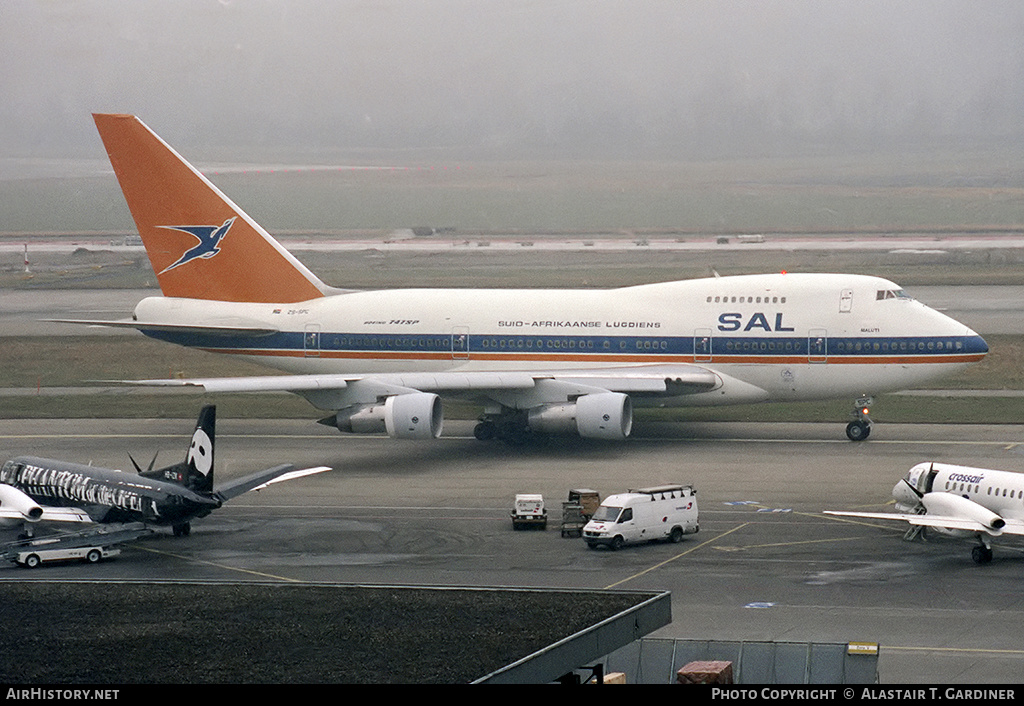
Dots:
(982, 554)
(860, 428)
(509, 427)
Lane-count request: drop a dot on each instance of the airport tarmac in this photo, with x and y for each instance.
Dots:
(766, 565)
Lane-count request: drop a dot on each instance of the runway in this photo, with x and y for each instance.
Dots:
(766, 564)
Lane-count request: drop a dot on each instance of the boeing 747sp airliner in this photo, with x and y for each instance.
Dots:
(538, 361)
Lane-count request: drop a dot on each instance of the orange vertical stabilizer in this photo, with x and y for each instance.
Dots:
(200, 244)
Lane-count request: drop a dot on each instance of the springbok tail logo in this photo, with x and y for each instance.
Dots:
(209, 238)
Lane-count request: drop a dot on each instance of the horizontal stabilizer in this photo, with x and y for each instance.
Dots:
(227, 330)
(263, 478)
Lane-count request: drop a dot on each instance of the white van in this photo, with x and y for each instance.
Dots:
(666, 512)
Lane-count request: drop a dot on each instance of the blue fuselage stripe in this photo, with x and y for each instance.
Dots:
(720, 346)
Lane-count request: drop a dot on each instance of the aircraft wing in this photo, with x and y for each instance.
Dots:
(261, 479)
(533, 387)
(48, 514)
(17, 507)
(939, 521)
(65, 514)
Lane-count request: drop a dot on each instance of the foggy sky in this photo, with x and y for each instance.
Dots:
(513, 78)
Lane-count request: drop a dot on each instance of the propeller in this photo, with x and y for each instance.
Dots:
(916, 492)
(151, 463)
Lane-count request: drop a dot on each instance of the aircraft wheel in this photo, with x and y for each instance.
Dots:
(485, 431)
(93, 556)
(858, 430)
(32, 561)
(182, 530)
(981, 555)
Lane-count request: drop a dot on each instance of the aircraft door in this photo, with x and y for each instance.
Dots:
(311, 341)
(460, 343)
(702, 345)
(817, 345)
(846, 301)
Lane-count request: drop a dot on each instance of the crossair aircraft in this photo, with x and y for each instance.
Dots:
(958, 501)
(537, 361)
(41, 490)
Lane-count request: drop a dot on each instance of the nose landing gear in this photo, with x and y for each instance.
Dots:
(860, 427)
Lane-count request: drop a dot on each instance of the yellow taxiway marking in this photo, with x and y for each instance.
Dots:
(193, 560)
(677, 556)
(961, 650)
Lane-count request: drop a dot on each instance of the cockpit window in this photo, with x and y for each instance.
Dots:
(891, 294)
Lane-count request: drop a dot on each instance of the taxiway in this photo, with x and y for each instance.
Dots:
(766, 565)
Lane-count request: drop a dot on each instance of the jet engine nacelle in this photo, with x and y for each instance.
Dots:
(417, 415)
(602, 415)
(13, 499)
(950, 505)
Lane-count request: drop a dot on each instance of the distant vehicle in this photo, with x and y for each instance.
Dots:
(529, 511)
(958, 501)
(577, 511)
(40, 490)
(31, 558)
(665, 512)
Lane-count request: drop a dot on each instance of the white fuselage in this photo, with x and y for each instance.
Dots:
(1001, 492)
(789, 336)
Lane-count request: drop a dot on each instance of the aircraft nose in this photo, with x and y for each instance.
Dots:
(903, 493)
